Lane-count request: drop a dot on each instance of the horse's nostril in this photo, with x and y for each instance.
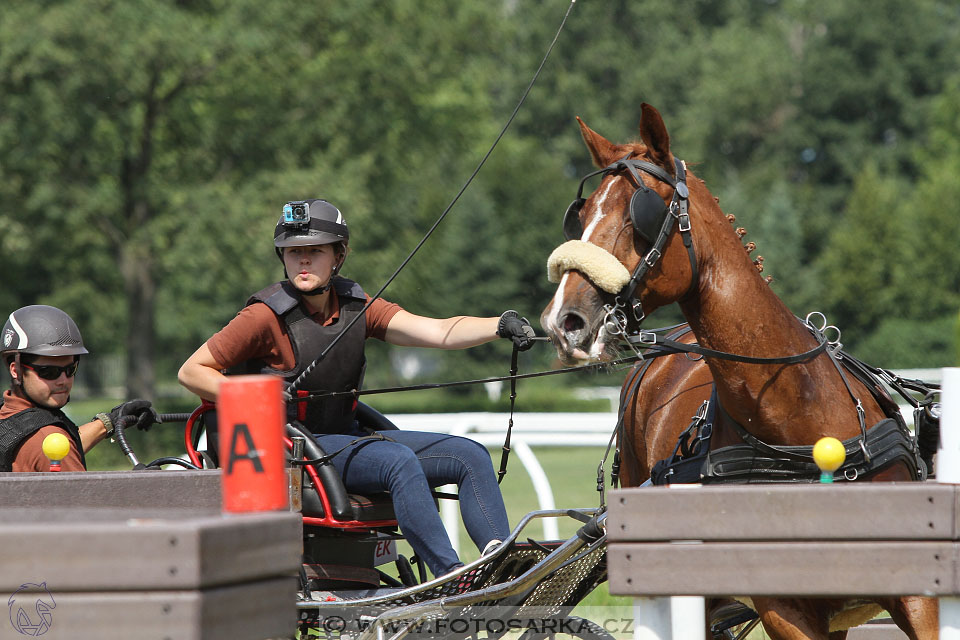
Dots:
(572, 322)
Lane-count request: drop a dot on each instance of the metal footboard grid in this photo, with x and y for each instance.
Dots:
(519, 579)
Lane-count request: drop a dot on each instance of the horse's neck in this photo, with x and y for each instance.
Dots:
(737, 312)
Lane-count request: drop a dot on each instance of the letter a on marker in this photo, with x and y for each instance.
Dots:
(240, 430)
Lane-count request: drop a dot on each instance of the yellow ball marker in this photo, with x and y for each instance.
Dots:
(829, 455)
(56, 446)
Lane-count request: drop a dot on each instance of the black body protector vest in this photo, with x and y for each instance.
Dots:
(20, 426)
(341, 370)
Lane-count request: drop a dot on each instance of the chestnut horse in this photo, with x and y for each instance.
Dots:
(652, 234)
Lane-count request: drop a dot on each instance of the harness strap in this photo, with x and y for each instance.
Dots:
(793, 453)
(649, 338)
(692, 449)
(886, 442)
(505, 455)
(618, 433)
(861, 417)
(678, 209)
(683, 221)
(630, 391)
(902, 386)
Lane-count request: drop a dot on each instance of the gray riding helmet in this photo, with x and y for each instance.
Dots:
(41, 330)
(310, 222)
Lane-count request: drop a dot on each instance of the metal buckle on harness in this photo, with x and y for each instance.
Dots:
(652, 257)
(683, 221)
(638, 313)
(647, 337)
(706, 430)
(701, 413)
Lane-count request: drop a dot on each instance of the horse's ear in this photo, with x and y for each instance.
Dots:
(603, 151)
(655, 136)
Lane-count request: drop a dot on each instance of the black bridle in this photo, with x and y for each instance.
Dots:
(642, 208)
(617, 321)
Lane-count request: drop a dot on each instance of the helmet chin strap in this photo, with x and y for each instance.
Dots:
(318, 290)
(322, 288)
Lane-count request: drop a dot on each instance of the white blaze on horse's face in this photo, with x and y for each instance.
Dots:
(600, 215)
(551, 323)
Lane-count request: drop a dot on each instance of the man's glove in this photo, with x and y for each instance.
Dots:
(518, 329)
(146, 415)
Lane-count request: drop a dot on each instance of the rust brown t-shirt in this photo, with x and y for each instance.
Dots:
(256, 333)
(29, 455)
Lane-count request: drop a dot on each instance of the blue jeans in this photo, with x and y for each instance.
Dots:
(408, 468)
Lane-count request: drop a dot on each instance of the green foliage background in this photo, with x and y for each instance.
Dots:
(146, 148)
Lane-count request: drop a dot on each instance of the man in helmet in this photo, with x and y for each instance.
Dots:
(41, 347)
(286, 326)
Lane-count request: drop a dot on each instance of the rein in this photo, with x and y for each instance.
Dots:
(650, 339)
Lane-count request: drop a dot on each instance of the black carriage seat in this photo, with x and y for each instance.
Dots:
(343, 506)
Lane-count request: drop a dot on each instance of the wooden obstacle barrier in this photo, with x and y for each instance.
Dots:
(143, 554)
(787, 540)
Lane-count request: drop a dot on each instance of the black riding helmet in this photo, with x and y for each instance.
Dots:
(41, 330)
(311, 222)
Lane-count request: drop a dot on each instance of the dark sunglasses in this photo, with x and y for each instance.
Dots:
(52, 371)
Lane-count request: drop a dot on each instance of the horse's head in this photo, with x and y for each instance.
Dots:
(624, 256)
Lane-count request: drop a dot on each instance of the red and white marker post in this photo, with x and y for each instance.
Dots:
(250, 414)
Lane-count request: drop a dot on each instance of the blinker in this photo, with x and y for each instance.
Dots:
(572, 229)
(647, 209)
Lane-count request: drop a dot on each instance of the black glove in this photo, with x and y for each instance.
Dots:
(518, 329)
(146, 414)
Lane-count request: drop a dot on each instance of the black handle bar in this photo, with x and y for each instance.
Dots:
(119, 433)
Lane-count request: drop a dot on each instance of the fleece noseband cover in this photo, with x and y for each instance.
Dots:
(599, 266)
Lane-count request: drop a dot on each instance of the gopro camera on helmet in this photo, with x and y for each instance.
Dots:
(296, 213)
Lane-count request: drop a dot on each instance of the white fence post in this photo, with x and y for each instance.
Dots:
(662, 618)
(948, 471)
(651, 618)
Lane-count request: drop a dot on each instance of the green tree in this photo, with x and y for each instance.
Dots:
(931, 284)
(90, 141)
(855, 264)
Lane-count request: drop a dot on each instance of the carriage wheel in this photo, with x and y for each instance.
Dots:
(569, 627)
